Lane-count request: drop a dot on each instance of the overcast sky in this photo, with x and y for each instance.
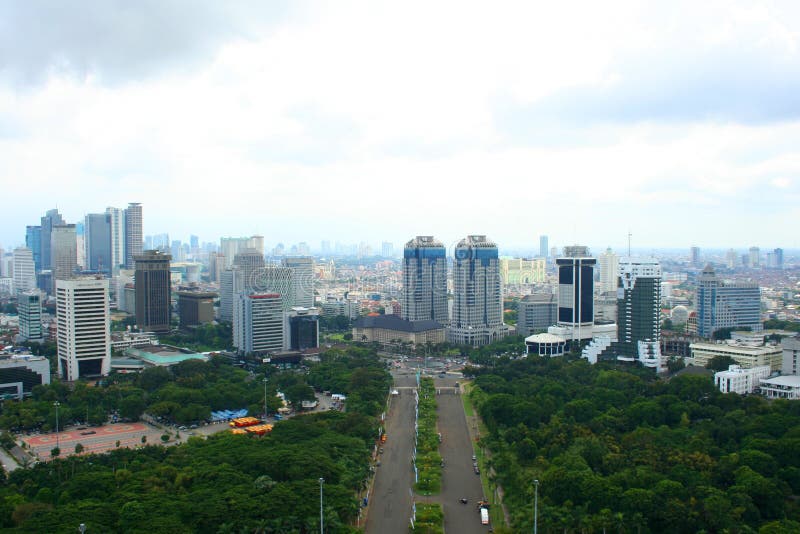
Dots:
(678, 121)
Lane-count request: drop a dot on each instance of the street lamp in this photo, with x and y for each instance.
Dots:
(265, 396)
(321, 528)
(535, 506)
(57, 404)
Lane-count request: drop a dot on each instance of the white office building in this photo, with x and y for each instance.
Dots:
(24, 270)
(781, 387)
(739, 380)
(258, 323)
(117, 236)
(608, 262)
(82, 317)
(302, 286)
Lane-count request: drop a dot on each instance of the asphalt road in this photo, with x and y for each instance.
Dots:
(458, 477)
(390, 500)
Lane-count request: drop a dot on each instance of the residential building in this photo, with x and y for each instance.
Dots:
(722, 304)
(117, 218)
(608, 263)
(388, 329)
(477, 293)
(302, 287)
(536, 312)
(63, 252)
(98, 243)
(746, 355)
(133, 234)
(739, 380)
(83, 324)
(424, 293)
(29, 305)
(153, 291)
(24, 270)
(258, 323)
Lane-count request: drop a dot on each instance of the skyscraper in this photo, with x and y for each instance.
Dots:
(722, 304)
(230, 246)
(755, 257)
(133, 233)
(639, 312)
(33, 241)
(249, 263)
(226, 294)
(477, 293)
(576, 290)
(543, 246)
(153, 291)
(387, 249)
(731, 258)
(694, 256)
(84, 347)
(302, 279)
(50, 219)
(608, 262)
(80, 248)
(30, 315)
(424, 295)
(24, 270)
(117, 216)
(63, 252)
(258, 323)
(98, 228)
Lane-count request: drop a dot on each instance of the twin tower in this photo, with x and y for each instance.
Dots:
(476, 317)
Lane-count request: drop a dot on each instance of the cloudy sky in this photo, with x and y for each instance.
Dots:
(678, 121)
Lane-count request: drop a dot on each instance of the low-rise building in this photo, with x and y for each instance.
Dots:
(391, 329)
(746, 355)
(536, 312)
(123, 340)
(162, 355)
(545, 345)
(195, 307)
(739, 380)
(781, 387)
(20, 372)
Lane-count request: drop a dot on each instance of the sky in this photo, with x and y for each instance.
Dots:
(678, 122)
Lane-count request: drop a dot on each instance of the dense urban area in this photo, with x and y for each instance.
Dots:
(151, 385)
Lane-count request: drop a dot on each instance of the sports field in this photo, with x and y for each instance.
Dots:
(93, 439)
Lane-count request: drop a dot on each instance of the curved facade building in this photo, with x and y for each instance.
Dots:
(424, 296)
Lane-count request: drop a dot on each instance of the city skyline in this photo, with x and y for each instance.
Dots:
(676, 122)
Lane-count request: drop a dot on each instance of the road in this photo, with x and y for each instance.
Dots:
(458, 477)
(390, 500)
(9, 463)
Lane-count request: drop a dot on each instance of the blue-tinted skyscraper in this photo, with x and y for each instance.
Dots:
(723, 304)
(543, 246)
(51, 218)
(97, 235)
(33, 241)
(424, 296)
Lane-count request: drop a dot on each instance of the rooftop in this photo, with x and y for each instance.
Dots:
(393, 322)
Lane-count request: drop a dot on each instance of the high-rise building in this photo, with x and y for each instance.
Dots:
(84, 348)
(639, 312)
(51, 218)
(24, 270)
(33, 241)
(387, 249)
(543, 246)
(153, 291)
(117, 217)
(230, 247)
(477, 293)
(133, 233)
(80, 248)
(424, 295)
(722, 304)
(777, 258)
(63, 252)
(755, 257)
(301, 328)
(694, 256)
(256, 242)
(29, 304)
(302, 279)
(226, 294)
(278, 280)
(536, 312)
(608, 262)
(576, 290)
(522, 272)
(98, 235)
(258, 323)
(731, 258)
(249, 264)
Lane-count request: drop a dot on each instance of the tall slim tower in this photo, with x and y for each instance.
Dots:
(694, 256)
(639, 311)
(608, 262)
(755, 257)
(63, 252)
(33, 241)
(98, 228)
(477, 293)
(51, 218)
(424, 295)
(133, 233)
(117, 216)
(24, 270)
(153, 291)
(84, 347)
(543, 246)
